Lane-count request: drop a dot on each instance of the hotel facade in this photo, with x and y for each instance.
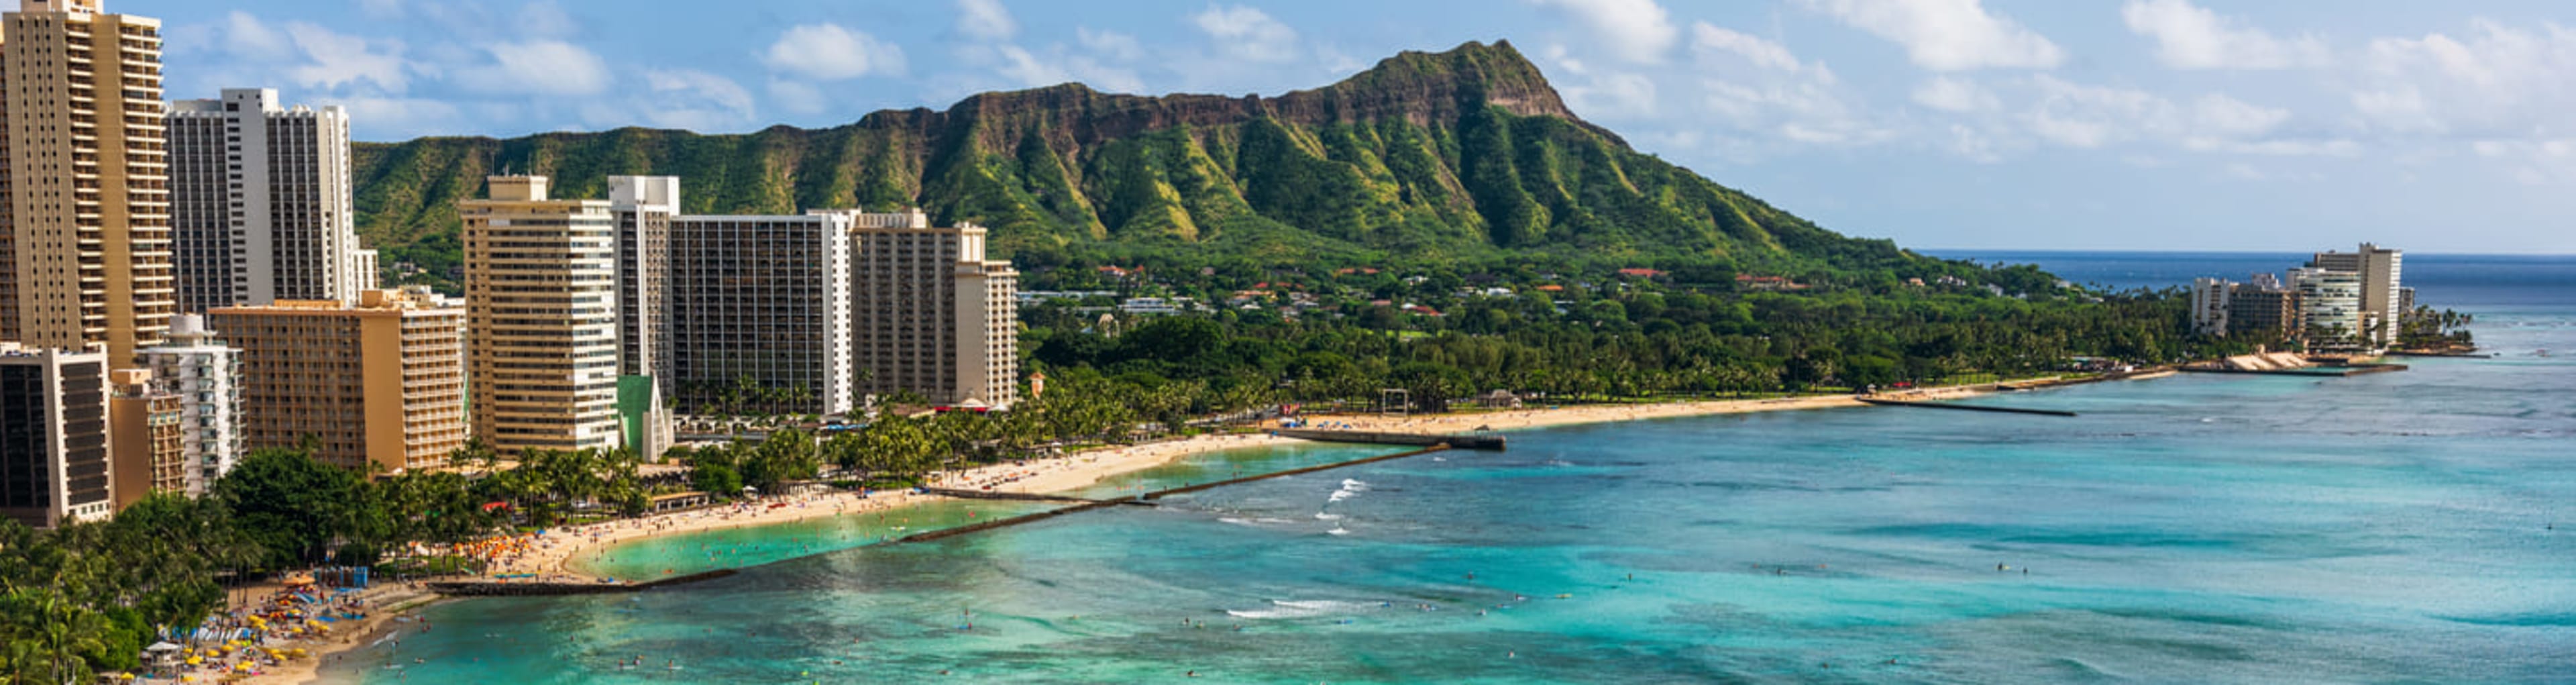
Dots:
(541, 311)
(85, 253)
(261, 202)
(763, 299)
(53, 436)
(930, 314)
(377, 384)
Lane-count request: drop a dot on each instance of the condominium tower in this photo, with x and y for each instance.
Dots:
(763, 301)
(85, 224)
(261, 202)
(2330, 307)
(53, 436)
(375, 384)
(206, 374)
(2381, 271)
(541, 308)
(930, 314)
(642, 207)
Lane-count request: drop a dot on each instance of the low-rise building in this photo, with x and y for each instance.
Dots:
(144, 438)
(206, 375)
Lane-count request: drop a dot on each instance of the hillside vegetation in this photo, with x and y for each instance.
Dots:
(1425, 156)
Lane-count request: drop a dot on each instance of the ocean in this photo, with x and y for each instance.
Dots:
(2416, 526)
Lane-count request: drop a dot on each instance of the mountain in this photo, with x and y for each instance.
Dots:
(1468, 151)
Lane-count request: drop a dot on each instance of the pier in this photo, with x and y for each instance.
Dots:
(1962, 407)
(2312, 371)
(1022, 496)
(496, 588)
(1159, 494)
(1465, 442)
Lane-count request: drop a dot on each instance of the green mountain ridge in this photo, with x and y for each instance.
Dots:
(1464, 152)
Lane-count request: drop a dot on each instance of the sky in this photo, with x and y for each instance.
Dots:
(2202, 125)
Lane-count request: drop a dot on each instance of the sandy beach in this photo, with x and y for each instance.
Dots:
(559, 555)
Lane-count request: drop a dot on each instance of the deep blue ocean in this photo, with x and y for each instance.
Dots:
(2403, 527)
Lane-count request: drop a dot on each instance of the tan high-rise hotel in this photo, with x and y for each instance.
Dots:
(378, 383)
(85, 224)
(541, 311)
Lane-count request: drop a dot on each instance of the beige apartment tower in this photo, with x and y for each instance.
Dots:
(541, 309)
(85, 225)
(930, 315)
(2382, 274)
(378, 384)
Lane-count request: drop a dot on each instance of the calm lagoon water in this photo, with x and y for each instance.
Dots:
(2416, 526)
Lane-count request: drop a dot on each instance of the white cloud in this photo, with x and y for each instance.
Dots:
(537, 67)
(2221, 116)
(1247, 34)
(2191, 37)
(1954, 95)
(832, 52)
(1947, 35)
(2499, 81)
(2083, 116)
(1709, 38)
(245, 36)
(693, 100)
(1030, 69)
(985, 19)
(1114, 45)
(1636, 30)
(334, 60)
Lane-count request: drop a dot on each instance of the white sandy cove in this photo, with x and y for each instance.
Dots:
(554, 558)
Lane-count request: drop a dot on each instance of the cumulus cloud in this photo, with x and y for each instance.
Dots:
(985, 19)
(1954, 95)
(2497, 81)
(1947, 35)
(1112, 44)
(537, 67)
(1710, 38)
(1247, 34)
(2192, 37)
(694, 100)
(1638, 31)
(831, 52)
(1026, 68)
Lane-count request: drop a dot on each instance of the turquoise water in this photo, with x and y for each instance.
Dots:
(2385, 528)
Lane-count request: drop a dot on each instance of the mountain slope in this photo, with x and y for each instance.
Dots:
(1460, 152)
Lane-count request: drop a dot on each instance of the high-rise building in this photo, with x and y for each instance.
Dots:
(541, 308)
(929, 314)
(763, 300)
(2382, 272)
(206, 374)
(53, 436)
(2209, 297)
(642, 207)
(2329, 308)
(375, 384)
(145, 454)
(85, 224)
(261, 202)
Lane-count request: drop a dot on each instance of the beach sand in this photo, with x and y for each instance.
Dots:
(558, 556)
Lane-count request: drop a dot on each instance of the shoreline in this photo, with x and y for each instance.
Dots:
(559, 558)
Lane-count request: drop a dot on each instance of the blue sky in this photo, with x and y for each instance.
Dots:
(2111, 124)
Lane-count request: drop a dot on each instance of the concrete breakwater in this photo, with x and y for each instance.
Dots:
(497, 588)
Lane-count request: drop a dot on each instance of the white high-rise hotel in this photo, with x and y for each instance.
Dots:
(261, 205)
